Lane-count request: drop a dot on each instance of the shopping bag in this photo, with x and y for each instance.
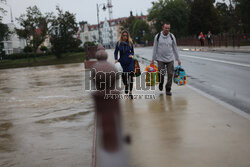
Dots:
(180, 77)
(137, 69)
(152, 75)
(118, 67)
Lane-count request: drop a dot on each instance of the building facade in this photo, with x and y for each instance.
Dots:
(12, 43)
(110, 31)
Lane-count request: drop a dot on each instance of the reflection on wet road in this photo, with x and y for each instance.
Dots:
(224, 75)
(46, 118)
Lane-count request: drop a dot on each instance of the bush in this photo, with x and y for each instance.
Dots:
(80, 49)
(27, 49)
(90, 44)
(22, 56)
(43, 49)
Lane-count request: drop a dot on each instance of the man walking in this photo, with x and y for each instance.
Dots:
(164, 52)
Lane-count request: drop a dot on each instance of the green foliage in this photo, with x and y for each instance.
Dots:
(4, 32)
(62, 32)
(141, 31)
(224, 17)
(175, 12)
(203, 17)
(44, 49)
(243, 10)
(21, 56)
(128, 24)
(2, 11)
(34, 27)
(43, 60)
(27, 49)
(90, 43)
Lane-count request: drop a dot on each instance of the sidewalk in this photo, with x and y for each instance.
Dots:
(187, 129)
(242, 49)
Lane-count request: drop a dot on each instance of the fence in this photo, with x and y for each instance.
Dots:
(236, 40)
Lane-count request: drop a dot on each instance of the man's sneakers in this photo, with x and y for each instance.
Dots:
(168, 93)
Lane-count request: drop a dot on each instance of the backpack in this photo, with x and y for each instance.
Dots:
(159, 34)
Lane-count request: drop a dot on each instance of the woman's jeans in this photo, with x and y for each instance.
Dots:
(127, 78)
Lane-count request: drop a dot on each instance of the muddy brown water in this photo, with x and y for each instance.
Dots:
(46, 117)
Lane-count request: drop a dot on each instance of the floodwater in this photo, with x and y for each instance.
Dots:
(46, 117)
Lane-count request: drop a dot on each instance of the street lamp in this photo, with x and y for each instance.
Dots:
(103, 8)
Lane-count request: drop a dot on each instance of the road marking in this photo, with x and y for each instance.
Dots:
(218, 101)
(220, 61)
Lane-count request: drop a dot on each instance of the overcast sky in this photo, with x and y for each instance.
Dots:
(85, 10)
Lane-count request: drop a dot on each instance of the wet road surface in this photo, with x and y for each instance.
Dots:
(46, 118)
(224, 75)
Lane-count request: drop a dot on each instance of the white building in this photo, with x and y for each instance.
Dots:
(88, 33)
(110, 31)
(12, 43)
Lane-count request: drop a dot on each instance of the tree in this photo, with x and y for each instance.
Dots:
(203, 17)
(2, 11)
(224, 16)
(141, 31)
(34, 27)
(27, 49)
(242, 9)
(128, 23)
(4, 30)
(175, 12)
(63, 33)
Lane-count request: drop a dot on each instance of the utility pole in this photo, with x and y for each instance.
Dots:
(110, 6)
(98, 22)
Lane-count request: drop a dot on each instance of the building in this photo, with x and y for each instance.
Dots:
(88, 33)
(12, 43)
(110, 31)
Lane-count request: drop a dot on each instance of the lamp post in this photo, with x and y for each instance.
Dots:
(99, 31)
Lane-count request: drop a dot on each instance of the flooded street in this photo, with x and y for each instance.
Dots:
(46, 117)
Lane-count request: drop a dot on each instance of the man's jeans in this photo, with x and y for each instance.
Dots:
(170, 71)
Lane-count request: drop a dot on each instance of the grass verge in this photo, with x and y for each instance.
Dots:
(66, 58)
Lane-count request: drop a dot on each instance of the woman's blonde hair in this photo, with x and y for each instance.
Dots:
(130, 42)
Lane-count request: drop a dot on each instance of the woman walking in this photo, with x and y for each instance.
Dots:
(126, 49)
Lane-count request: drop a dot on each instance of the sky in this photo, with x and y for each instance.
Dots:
(85, 10)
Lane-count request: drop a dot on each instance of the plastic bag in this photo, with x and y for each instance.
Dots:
(118, 67)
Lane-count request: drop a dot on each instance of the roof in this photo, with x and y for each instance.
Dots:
(117, 21)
